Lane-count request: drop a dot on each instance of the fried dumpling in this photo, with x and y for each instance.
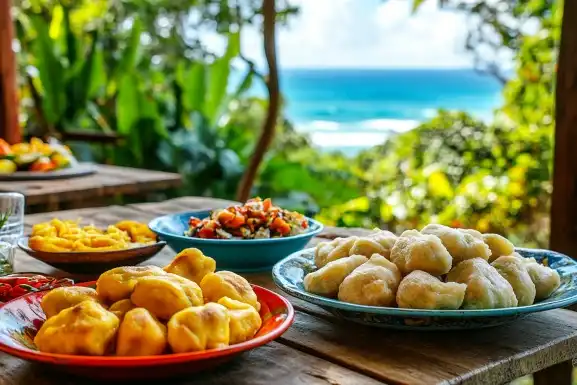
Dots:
(461, 245)
(228, 284)
(62, 298)
(546, 280)
(499, 246)
(140, 334)
(416, 251)
(191, 264)
(165, 295)
(326, 280)
(118, 283)
(373, 283)
(244, 320)
(516, 273)
(421, 290)
(120, 308)
(486, 288)
(84, 329)
(326, 252)
(199, 328)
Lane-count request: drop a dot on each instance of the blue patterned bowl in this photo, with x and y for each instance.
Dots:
(289, 273)
(238, 255)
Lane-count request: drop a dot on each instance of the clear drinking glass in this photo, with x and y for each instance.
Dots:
(11, 228)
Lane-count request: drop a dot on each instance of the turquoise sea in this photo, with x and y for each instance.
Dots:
(351, 109)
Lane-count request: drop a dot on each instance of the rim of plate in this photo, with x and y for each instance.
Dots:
(26, 248)
(108, 361)
(153, 225)
(280, 281)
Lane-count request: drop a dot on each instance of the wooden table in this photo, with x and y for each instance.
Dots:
(90, 190)
(319, 349)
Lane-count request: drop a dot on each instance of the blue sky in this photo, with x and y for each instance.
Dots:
(368, 33)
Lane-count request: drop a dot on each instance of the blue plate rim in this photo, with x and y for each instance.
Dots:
(153, 225)
(392, 311)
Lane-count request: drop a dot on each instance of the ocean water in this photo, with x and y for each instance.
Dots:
(352, 109)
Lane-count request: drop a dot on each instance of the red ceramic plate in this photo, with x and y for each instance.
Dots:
(21, 318)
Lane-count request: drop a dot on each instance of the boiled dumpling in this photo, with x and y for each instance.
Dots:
(165, 295)
(486, 288)
(375, 283)
(515, 272)
(384, 238)
(199, 328)
(420, 290)
(367, 247)
(140, 334)
(62, 298)
(499, 246)
(228, 284)
(191, 264)
(244, 320)
(84, 329)
(326, 280)
(461, 245)
(326, 252)
(416, 251)
(546, 280)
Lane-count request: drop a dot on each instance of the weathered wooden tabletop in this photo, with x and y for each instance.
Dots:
(81, 191)
(319, 349)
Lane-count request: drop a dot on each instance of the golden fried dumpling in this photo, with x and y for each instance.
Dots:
(118, 283)
(84, 329)
(199, 328)
(244, 320)
(62, 298)
(461, 245)
(416, 251)
(166, 294)
(367, 247)
(120, 308)
(421, 290)
(515, 272)
(326, 280)
(499, 246)
(486, 288)
(191, 264)
(228, 284)
(326, 252)
(546, 280)
(140, 334)
(373, 283)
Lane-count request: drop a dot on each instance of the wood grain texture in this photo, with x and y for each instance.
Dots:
(491, 356)
(559, 374)
(270, 364)
(564, 198)
(106, 182)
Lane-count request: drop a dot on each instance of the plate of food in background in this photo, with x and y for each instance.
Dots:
(439, 278)
(37, 160)
(144, 322)
(242, 238)
(87, 249)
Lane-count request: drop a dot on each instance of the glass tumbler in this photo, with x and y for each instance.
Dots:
(11, 228)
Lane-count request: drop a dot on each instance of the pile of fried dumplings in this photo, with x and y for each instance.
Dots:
(147, 310)
(438, 267)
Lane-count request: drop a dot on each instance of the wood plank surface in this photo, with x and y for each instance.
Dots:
(106, 182)
(335, 350)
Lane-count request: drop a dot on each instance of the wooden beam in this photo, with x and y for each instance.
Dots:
(564, 200)
(9, 127)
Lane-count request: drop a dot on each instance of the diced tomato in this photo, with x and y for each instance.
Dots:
(305, 224)
(5, 148)
(280, 226)
(193, 221)
(225, 216)
(206, 233)
(267, 204)
(43, 164)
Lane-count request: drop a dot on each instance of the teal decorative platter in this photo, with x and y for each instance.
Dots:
(288, 274)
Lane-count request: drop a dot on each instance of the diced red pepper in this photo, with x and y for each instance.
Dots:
(267, 204)
(193, 221)
(5, 148)
(280, 226)
(305, 224)
(206, 233)
(238, 221)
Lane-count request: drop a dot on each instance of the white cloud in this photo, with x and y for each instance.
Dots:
(368, 33)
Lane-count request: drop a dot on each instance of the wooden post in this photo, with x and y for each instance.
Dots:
(564, 200)
(9, 127)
